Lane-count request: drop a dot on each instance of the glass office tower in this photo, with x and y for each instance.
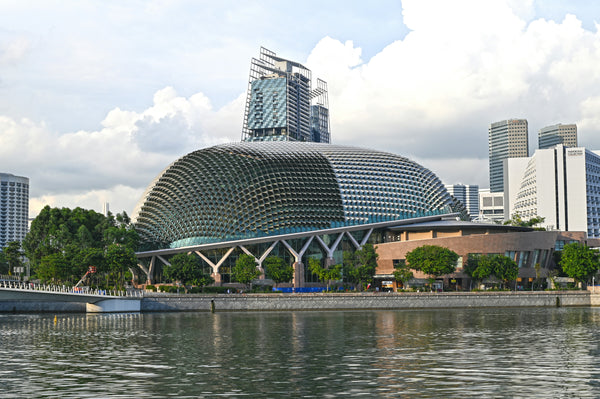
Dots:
(281, 104)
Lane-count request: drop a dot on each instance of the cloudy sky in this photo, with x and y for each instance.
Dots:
(97, 97)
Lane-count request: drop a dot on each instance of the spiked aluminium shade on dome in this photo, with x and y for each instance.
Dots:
(256, 189)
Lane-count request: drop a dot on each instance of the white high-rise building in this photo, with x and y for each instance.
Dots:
(14, 208)
(560, 184)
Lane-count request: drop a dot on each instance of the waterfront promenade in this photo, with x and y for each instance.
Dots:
(153, 302)
(36, 301)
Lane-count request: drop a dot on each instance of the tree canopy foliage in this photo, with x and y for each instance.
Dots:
(432, 259)
(12, 256)
(62, 243)
(359, 266)
(579, 261)
(4, 268)
(517, 220)
(245, 269)
(277, 270)
(402, 273)
(187, 269)
(324, 274)
(479, 267)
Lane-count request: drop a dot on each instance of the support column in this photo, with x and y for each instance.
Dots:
(150, 273)
(298, 275)
(146, 272)
(298, 265)
(215, 267)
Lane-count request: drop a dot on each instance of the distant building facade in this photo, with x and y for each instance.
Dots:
(491, 206)
(526, 247)
(550, 136)
(561, 184)
(14, 208)
(281, 104)
(468, 195)
(507, 139)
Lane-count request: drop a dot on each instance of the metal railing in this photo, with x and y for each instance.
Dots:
(28, 286)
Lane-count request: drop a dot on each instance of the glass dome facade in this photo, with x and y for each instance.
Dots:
(257, 189)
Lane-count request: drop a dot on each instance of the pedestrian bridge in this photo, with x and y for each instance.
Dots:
(95, 300)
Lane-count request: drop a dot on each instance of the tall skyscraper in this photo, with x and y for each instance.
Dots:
(550, 136)
(468, 194)
(280, 104)
(14, 208)
(507, 139)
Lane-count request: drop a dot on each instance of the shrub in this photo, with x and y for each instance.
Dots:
(217, 290)
(171, 289)
(262, 289)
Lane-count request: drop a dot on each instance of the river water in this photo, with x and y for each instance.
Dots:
(517, 352)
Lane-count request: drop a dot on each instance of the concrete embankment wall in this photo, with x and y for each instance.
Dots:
(356, 301)
(345, 301)
(41, 307)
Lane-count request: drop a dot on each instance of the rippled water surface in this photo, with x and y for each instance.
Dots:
(525, 352)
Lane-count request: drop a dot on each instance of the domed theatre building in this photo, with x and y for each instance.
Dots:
(298, 200)
(292, 199)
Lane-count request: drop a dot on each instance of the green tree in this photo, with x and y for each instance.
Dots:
(187, 269)
(579, 261)
(516, 220)
(3, 264)
(403, 273)
(119, 259)
(504, 268)
(432, 260)
(120, 231)
(13, 256)
(360, 266)
(53, 268)
(84, 238)
(277, 270)
(480, 267)
(324, 274)
(245, 269)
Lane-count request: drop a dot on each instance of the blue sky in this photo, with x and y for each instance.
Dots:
(97, 97)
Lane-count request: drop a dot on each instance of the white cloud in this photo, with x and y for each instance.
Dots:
(13, 50)
(115, 163)
(433, 94)
(429, 95)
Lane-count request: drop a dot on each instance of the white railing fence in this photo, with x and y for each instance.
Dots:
(28, 286)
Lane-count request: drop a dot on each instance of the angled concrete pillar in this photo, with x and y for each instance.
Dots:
(298, 265)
